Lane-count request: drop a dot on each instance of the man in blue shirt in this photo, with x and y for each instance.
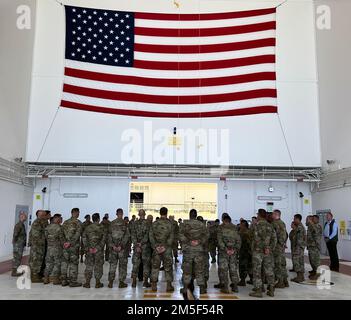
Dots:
(331, 238)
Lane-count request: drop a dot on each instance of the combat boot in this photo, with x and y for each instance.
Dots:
(234, 287)
(203, 290)
(225, 289)
(154, 286)
(122, 285)
(64, 282)
(98, 284)
(56, 281)
(51, 279)
(219, 286)
(146, 283)
(314, 276)
(134, 282)
(110, 284)
(213, 260)
(46, 280)
(169, 287)
(75, 284)
(242, 283)
(249, 281)
(270, 291)
(312, 272)
(280, 284)
(299, 278)
(257, 293)
(286, 283)
(87, 283)
(35, 278)
(14, 273)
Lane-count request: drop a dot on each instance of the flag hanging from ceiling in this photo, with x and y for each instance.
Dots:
(170, 65)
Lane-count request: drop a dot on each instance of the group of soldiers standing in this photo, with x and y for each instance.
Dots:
(241, 251)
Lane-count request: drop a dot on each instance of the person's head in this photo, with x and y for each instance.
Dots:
(224, 214)
(60, 219)
(126, 219)
(133, 217)
(157, 218)
(227, 219)
(293, 226)
(262, 214)
(150, 218)
(309, 219)
(119, 213)
(180, 220)
(56, 219)
(41, 214)
(200, 218)
(141, 214)
(217, 222)
(269, 217)
(47, 214)
(171, 218)
(87, 218)
(329, 216)
(315, 219)
(75, 213)
(244, 225)
(193, 214)
(96, 217)
(163, 212)
(254, 220)
(297, 219)
(106, 216)
(276, 214)
(105, 219)
(22, 216)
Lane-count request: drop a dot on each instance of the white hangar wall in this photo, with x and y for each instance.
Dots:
(256, 140)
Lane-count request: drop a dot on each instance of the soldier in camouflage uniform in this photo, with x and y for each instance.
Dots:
(175, 239)
(245, 256)
(161, 239)
(314, 234)
(86, 223)
(106, 224)
(19, 240)
(264, 239)
(281, 274)
(37, 245)
(55, 240)
(72, 229)
(118, 240)
(298, 245)
(94, 239)
(193, 237)
(212, 241)
(229, 244)
(142, 249)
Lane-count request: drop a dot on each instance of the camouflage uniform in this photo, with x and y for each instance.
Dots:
(280, 271)
(55, 240)
(118, 236)
(298, 245)
(161, 233)
(245, 255)
(291, 236)
(82, 249)
(193, 256)
(19, 242)
(94, 236)
(37, 246)
(263, 238)
(228, 238)
(140, 234)
(314, 234)
(106, 224)
(212, 241)
(69, 267)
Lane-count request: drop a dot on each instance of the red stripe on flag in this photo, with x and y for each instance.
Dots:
(204, 65)
(175, 100)
(138, 113)
(177, 83)
(206, 32)
(208, 48)
(204, 16)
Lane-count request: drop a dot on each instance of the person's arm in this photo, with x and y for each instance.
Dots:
(16, 232)
(335, 230)
(220, 242)
(170, 240)
(152, 239)
(126, 237)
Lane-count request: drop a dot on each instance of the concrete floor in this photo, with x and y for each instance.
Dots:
(306, 291)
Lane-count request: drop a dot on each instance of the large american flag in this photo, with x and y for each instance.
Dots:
(170, 65)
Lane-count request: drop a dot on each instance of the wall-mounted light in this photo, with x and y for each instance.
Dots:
(75, 195)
